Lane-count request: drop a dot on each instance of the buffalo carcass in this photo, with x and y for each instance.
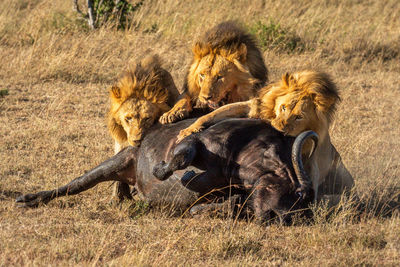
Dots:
(243, 157)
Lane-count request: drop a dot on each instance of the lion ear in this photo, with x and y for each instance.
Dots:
(115, 92)
(240, 54)
(286, 79)
(324, 103)
(198, 51)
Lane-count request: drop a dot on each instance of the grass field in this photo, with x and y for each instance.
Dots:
(54, 76)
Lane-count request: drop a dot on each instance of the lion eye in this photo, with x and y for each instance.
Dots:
(219, 77)
(128, 119)
(283, 108)
(298, 117)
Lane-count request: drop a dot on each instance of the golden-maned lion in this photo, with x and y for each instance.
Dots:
(227, 67)
(138, 99)
(300, 101)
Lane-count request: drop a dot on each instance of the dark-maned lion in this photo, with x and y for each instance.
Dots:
(227, 67)
(300, 101)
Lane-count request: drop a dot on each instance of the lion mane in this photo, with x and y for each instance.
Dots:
(145, 81)
(299, 94)
(142, 80)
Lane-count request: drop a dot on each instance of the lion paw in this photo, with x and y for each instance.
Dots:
(173, 116)
(188, 131)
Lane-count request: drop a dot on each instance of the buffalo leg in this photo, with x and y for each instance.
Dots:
(184, 154)
(232, 206)
(203, 183)
(116, 168)
(212, 189)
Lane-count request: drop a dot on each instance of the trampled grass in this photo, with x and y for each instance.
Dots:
(53, 82)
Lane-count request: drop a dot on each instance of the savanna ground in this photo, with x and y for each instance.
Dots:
(54, 75)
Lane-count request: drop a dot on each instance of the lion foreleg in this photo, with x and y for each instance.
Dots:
(314, 174)
(338, 179)
(234, 110)
(118, 147)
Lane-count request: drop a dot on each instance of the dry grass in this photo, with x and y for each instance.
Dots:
(53, 78)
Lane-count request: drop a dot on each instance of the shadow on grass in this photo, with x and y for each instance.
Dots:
(9, 194)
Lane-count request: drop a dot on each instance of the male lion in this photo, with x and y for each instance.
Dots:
(227, 67)
(300, 101)
(137, 100)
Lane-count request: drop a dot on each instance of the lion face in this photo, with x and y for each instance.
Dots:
(294, 115)
(215, 78)
(301, 101)
(136, 116)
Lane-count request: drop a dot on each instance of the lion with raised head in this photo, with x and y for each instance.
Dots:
(138, 99)
(300, 101)
(227, 67)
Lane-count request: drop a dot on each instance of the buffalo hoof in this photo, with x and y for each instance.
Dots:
(162, 171)
(30, 200)
(199, 209)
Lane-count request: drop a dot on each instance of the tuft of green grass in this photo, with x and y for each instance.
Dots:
(273, 36)
(61, 22)
(119, 14)
(3, 92)
(137, 209)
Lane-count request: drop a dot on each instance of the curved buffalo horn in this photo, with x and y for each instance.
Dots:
(302, 176)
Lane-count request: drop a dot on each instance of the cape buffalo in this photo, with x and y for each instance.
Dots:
(243, 157)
